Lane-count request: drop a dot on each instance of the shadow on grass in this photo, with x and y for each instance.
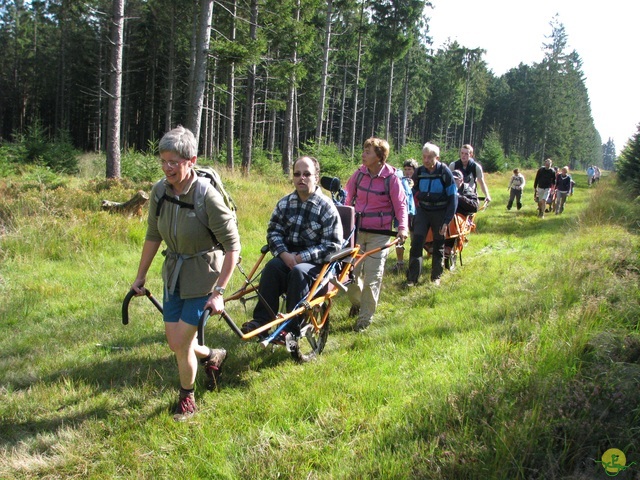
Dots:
(116, 369)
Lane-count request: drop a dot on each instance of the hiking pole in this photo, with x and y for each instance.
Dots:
(125, 304)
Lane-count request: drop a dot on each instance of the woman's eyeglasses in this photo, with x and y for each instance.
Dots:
(170, 163)
(301, 174)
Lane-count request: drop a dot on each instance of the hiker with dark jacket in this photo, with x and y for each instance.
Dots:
(378, 197)
(543, 184)
(564, 188)
(196, 269)
(436, 201)
(471, 170)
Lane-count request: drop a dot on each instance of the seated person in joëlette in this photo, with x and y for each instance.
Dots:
(304, 229)
(467, 198)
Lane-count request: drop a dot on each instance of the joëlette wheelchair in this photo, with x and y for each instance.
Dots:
(456, 238)
(304, 330)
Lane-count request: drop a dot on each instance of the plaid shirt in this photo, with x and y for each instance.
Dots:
(312, 228)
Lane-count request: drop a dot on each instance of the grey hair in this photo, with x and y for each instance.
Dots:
(431, 148)
(181, 141)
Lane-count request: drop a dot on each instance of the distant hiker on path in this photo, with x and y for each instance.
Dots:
(543, 185)
(516, 186)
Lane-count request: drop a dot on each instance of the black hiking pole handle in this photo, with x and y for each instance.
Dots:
(125, 304)
(203, 320)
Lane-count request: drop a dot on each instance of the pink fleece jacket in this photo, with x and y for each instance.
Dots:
(375, 208)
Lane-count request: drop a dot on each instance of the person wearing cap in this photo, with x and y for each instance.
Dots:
(467, 199)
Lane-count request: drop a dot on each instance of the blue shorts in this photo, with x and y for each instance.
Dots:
(188, 310)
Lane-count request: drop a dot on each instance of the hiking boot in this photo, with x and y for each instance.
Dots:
(186, 408)
(213, 366)
(398, 268)
(354, 311)
(251, 325)
(361, 325)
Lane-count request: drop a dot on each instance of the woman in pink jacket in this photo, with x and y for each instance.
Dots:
(378, 197)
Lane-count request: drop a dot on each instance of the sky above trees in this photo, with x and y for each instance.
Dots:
(513, 32)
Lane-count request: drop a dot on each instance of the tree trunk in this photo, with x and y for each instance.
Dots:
(364, 103)
(387, 114)
(191, 84)
(130, 207)
(200, 70)
(287, 144)
(61, 103)
(231, 104)
(343, 106)
(247, 144)
(357, 84)
(211, 146)
(405, 106)
(115, 90)
(171, 62)
(325, 70)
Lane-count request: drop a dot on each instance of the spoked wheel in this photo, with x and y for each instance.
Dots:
(312, 339)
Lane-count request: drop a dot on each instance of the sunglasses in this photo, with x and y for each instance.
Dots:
(301, 174)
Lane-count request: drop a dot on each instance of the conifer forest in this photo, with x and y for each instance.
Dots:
(277, 75)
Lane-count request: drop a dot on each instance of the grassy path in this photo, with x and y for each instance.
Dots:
(524, 364)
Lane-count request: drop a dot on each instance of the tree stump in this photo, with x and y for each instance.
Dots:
(130, 207)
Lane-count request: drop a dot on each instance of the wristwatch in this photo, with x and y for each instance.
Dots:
(218, 289)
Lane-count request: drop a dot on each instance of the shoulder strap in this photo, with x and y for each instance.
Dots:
(473, 166)
(202, 184)
(387, 181)
(443, 177)
(355, 193)
(199, 208)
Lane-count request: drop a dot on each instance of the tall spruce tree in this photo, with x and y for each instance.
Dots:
(628, 164)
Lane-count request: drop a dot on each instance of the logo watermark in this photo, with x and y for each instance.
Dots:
(614, 461)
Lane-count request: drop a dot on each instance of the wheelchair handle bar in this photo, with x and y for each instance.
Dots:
(125, 304)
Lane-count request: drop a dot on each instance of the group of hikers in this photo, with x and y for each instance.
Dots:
(202, 240)
(551, 188)
(593, 175)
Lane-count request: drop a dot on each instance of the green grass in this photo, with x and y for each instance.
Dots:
(523, 364)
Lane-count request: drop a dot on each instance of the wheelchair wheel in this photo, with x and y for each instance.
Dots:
(311, 340)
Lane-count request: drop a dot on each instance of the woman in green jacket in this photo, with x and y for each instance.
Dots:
(199, 260)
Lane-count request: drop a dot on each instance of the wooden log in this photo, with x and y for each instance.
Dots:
(130, 207)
